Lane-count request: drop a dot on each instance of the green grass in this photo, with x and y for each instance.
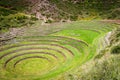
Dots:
(67, 49)
(37, 47)
(84, 35)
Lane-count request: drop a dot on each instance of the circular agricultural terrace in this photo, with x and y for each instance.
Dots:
(43, 56)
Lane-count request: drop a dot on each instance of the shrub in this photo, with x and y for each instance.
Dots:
(48, 21)
(98, 56)
(15, 20)
(33, 18)
(107, 70)
(6, 12)
(115, 49)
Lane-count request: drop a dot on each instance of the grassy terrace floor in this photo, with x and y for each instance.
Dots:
(46, 52)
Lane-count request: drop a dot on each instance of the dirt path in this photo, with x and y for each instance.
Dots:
(111, 21)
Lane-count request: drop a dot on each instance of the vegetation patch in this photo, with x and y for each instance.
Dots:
(84, 35)
(48, 56)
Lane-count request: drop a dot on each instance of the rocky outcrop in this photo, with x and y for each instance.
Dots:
(42, 9)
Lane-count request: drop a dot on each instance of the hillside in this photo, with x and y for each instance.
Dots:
(59, 9)
(59, 40)
(56, 10)
(60, 51)
(19, 11)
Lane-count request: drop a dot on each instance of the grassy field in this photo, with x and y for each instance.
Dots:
(46, 52)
